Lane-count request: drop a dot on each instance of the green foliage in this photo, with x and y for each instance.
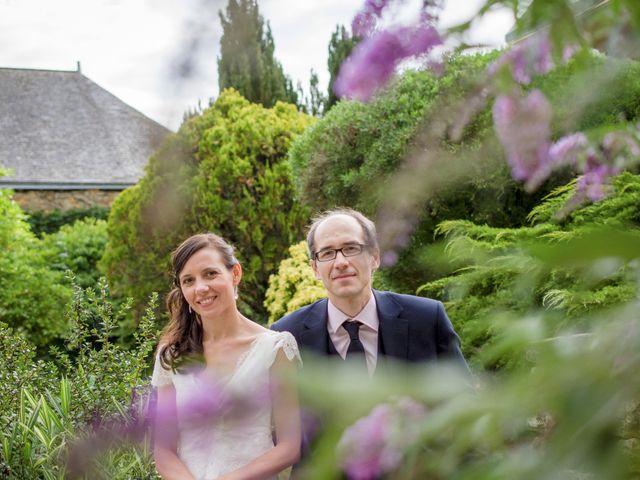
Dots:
(294, 285)
(316, 103)
(104, 374)
(340, 47)
(224, 171)
(32, 296)
(50, 222)
(19, 368)
(48, 421)
(247, 62)
(34, 443)
(554, 266)
(77, 247)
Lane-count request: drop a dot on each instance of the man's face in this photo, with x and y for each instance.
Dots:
(345, 278)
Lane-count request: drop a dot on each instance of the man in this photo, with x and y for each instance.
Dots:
(344, 253)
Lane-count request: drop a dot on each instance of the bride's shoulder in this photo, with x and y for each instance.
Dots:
(287, 343)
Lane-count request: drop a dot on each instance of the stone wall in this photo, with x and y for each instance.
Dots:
(49, 200)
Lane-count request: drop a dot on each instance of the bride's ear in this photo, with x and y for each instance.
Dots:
(236, 272)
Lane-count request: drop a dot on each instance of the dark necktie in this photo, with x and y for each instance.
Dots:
(355, 350)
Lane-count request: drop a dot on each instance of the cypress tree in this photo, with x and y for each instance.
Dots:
(340, 47)
(247, 60)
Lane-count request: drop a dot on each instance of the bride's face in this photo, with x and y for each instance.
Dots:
(208, 285)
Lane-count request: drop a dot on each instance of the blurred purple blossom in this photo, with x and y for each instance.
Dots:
(528, 57)
(566, 150)
(374, 445)
(593, 184)
(389, 258)
(568, 52)
(365, 20)
(373, 61)
(621, 143)
(523, 128)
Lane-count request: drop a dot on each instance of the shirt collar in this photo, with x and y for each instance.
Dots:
(368, 315)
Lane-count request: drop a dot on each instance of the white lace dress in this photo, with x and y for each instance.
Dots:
(225, 422)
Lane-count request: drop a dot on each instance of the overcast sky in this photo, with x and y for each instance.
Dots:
(159, 56)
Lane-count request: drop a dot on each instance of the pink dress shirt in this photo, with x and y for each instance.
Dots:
(368, 333)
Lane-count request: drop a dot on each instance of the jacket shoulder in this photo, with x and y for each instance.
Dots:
(409, 301)
(293, 320)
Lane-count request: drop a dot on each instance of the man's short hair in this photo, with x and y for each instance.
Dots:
(368, 228)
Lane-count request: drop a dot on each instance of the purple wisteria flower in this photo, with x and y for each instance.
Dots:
(593, 184)
(567, 149)
(375, 444)
(373, 61)
(529, 57)
(365, 20)
(523, 128)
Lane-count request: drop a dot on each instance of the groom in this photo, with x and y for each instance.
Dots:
(356, 319)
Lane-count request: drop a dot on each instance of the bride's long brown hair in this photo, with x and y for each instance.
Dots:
(182, 338)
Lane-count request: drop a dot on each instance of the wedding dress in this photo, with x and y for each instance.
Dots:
(224, 421)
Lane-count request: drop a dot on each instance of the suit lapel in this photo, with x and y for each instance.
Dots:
(393, 329)
(315, 335)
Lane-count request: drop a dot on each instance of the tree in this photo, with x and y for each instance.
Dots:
(247, 60)
(317, 101)
(340, 47)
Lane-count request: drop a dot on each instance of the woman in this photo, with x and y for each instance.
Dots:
(224, 382)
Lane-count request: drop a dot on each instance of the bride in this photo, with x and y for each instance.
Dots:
(225, 387)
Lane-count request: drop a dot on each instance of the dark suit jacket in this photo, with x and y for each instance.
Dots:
(413, 329)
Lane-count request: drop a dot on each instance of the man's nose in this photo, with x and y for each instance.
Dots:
(340, 259)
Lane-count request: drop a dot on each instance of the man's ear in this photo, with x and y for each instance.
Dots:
(315, 269)
(375, 260)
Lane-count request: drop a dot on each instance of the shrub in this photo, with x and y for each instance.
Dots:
(90, 417)
(77, 247)
(50, 222)
(19, 368)
(224, 171)
(511, 272)
(32, 296)
(294, 285)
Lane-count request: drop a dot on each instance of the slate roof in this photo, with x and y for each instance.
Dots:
(59, 130)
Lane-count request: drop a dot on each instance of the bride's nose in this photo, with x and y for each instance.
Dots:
(201, 286)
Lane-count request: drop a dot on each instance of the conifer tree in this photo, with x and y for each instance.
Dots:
(247, 60)
(316, 101)
(340, 47)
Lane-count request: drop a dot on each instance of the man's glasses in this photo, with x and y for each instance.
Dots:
(329, 254)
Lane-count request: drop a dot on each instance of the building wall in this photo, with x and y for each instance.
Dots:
(49, 200)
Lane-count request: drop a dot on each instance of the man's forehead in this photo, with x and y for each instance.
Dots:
(339, 227)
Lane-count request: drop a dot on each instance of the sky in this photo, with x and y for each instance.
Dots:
(159, 56)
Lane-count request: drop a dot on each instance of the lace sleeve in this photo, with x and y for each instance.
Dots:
(289, 346)
(160, 377)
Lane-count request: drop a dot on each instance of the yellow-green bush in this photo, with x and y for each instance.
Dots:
(294, 285)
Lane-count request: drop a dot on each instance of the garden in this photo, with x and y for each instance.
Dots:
(504, 183)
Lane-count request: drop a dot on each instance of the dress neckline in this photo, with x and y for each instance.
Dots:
(227, 376)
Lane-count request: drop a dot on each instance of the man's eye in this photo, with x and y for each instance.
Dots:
(351, 250)
(325, 254)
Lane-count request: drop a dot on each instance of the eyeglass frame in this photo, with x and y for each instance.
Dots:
(361, 246)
